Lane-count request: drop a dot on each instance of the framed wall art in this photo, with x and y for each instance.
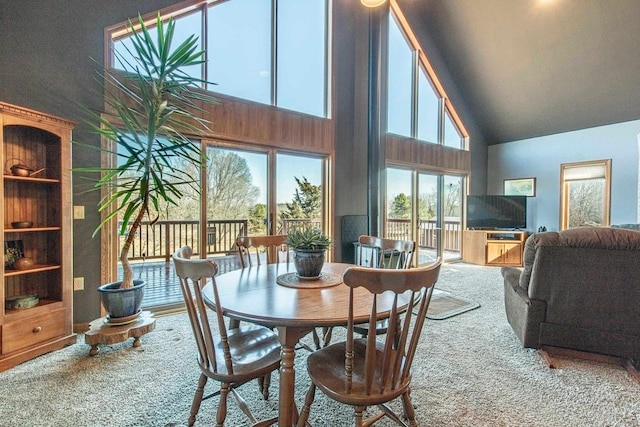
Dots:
(13, 250)
(520, 187)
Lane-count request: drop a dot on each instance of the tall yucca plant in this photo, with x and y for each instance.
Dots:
(151, 109)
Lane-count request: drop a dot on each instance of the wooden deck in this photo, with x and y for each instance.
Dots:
(162, 290)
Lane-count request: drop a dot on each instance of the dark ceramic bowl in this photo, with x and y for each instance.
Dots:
(22, 224)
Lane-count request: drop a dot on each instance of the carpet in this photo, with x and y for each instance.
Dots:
(469, 371)
(444, 305)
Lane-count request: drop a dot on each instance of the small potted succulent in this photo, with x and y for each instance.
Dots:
(309, 247)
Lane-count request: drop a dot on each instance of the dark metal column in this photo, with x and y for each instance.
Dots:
(375, 142)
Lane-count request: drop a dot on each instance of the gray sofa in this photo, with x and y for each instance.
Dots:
(578, 289)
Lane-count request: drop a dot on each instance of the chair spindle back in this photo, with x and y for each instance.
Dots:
(261, 249)
(387, 363)
(193, 274)
(386, 253)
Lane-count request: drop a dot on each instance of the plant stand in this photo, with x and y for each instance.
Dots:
(104, 333)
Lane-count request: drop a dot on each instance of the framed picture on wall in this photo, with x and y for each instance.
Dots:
(13, 250)
(520, 187)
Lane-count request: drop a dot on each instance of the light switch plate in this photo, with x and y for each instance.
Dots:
(78, 212)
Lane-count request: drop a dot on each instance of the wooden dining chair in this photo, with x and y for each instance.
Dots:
(258, 250)
(363, 372)
(231, 357)
(262, 250)
(381, 252)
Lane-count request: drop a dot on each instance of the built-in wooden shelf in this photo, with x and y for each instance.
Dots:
(35, 269)
(42, 142)
(31, 179)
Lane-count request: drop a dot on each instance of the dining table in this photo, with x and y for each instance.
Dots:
(275, 296)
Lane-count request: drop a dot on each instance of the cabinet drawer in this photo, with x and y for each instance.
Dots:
(23, 333)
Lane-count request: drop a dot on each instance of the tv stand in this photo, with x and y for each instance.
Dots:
(493, 247)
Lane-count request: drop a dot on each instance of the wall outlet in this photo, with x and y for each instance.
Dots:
(78, 283)
(78, 212)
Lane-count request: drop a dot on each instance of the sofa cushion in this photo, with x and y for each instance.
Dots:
(582, 237)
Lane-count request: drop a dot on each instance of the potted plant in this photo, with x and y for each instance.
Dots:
(151, 115)
(309, 247)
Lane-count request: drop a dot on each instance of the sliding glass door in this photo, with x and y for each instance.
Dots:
(245, 191)
(236, 196)
(425, 207)
(299, 192)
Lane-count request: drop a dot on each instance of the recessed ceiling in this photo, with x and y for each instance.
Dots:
(528, 68)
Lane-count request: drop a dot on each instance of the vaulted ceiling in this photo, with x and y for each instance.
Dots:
(528, 68)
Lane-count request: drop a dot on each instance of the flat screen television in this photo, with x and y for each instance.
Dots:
(506, 212)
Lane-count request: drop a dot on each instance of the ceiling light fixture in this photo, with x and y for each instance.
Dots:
(372, 3)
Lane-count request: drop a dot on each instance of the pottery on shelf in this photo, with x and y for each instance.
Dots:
(23, 263)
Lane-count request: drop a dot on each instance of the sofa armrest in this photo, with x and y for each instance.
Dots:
(512, 278)
(511, 275)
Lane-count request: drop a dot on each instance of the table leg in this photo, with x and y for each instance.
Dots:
(287, 412)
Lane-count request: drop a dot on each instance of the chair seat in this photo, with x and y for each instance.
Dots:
(380, 327)
(253, 349)
(327, 371)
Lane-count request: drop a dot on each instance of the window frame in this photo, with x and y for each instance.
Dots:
(564, 193)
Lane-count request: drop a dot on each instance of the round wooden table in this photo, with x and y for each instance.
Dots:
(253, 294)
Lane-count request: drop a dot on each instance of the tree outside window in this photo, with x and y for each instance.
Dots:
(585, 194)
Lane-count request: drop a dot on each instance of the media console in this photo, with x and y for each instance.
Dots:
(493, 247)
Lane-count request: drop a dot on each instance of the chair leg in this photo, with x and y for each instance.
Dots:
(197, 399)
(359, 412)
(222, 406)
(316, 338)
(234, 324)
(304, 414)
(409, 411)
(242, 404)
(264, 382)
(327, 332)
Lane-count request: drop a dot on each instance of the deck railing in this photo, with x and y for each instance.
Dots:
(427, 233)
(161, 239)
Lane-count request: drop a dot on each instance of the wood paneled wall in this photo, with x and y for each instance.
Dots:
(238, 120)
(245, 121)
(420, 155)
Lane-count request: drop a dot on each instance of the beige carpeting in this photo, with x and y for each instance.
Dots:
(471, 371)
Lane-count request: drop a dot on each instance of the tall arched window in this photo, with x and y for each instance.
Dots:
(417, 106)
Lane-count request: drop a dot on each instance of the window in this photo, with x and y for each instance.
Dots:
(585, 194)
(415, 98)
(400, 92)
(251, 55)
(239, 49)
(428, 109)
(452, 137)
(186, 25)
(301, 56)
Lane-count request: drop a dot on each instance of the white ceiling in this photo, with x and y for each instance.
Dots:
(536, 67)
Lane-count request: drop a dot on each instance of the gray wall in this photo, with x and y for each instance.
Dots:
(541, 158)
(45, 52)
